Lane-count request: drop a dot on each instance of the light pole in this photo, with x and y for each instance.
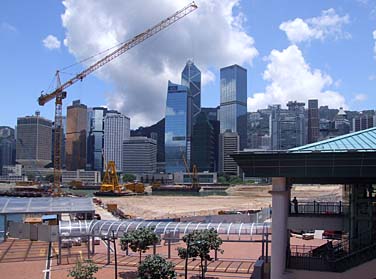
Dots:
(186, 257)
(113, 240)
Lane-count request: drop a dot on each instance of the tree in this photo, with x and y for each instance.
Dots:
(84, 270)
(199, 244)
(128, 177)
(156, 267)
(139, 240)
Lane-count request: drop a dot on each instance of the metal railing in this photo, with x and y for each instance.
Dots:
(335, 256)
(318, 208)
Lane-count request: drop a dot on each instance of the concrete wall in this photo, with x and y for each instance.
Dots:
(335, 223)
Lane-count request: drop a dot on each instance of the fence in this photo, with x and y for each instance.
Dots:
(324, 208)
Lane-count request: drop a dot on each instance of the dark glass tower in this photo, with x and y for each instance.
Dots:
(95, 139)
(233, 111)
(203, 144)
(176, 128)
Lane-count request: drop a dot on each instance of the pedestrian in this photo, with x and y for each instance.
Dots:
(295, 203)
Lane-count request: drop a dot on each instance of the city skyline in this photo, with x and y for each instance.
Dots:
(318, 37)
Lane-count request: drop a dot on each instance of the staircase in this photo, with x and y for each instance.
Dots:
(337, 257)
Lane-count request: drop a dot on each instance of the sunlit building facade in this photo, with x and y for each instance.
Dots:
(75, 145)
(233, 108)
(176, 128)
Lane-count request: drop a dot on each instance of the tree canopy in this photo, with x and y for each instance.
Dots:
(156, 267)
(139, 240)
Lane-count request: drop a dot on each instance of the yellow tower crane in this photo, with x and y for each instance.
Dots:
(59, 93)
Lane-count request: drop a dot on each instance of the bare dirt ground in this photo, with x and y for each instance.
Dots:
(238, 198)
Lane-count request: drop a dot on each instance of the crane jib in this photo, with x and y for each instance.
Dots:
(45, 98)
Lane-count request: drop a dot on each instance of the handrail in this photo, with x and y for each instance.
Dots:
(314, 207)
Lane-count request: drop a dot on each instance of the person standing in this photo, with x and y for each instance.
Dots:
(296, 207)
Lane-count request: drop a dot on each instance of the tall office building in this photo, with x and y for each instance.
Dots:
(140, 155)
(363, 122)
(233, 107)
(203, 144)
(212, 116)
(7, 147)
(76, 132)
(287, 127)
(95, 138)
(157, 132)
(177, 145)
(33, 145)
(116, 130)
(191, 78)
(313, 121)
(228, 143)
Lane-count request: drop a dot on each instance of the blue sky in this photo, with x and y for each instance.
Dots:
(339, 65)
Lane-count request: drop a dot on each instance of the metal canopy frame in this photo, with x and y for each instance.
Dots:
(103, 228)
(15, 205)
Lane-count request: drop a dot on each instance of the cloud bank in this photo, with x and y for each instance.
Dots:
(328, 24)
(213, 36)
(291, 78)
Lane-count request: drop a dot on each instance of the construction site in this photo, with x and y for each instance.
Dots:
(312, 218)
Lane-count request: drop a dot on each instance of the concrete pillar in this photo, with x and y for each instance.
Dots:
(280, 203)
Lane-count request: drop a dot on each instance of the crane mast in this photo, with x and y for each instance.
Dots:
(59, 93)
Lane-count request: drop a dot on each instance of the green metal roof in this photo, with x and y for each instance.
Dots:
(364, 140)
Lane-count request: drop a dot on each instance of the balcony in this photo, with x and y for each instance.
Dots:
(314, 215)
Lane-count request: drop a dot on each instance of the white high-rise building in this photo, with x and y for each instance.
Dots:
(140, 155)
(116, 130)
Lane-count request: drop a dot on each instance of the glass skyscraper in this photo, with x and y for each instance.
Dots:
(176, 128)
(191, 77)
(233, 108)
(95, 139)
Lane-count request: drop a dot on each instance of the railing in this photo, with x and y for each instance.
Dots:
(335, 256)
(319, 208)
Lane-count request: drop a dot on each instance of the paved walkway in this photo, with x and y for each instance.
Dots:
(28, 259)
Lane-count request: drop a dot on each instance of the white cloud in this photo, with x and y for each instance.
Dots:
(213, 34)
(374, 45)
(51, 42)
(291, 78)
(328, 24)
(360, 97)
(8, 27)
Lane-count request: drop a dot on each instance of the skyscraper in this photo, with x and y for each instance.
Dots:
(75, 144)
(191, 78)
(203, 144)
(7, 147)
(287, 127)
(313, 121)
(140, 155)
(33, 146)
(95, 138)
(176, 128)
(233, 108)
(116, 130)
(228, 143)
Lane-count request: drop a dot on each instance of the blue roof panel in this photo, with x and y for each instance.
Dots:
(364, 140)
